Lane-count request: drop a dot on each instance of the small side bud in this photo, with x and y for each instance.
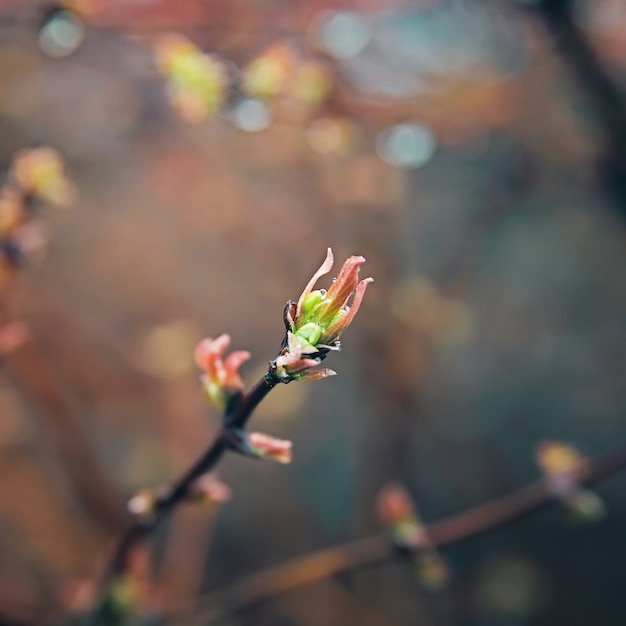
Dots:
(586, 506)
(265, 447)
(142, 504)
(313, 375)
(209, 491)
(12, 336)
(433, 571)
(221, 379)
(395, 505)
(260, 446)
(398, 512)
(563, 467)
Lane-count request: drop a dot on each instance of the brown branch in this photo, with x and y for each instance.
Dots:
(607, 103)
(309, 569)
(143, 526)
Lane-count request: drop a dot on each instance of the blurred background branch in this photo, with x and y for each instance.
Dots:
(312, 568)
(605, 99)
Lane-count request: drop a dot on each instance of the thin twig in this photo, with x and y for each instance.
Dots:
(309, 569)
(607, 103)
(143, 526)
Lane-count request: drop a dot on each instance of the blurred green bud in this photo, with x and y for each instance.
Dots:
(432, 570)
(586, 506)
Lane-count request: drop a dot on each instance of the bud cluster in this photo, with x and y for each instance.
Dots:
(197, 83)
(207, 490)
(315, 323)
(313, 327)
(35, 175)
(221, 379)
(397, 511)
(564, 467)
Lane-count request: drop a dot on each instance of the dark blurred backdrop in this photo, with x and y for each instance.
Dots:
(460, 147)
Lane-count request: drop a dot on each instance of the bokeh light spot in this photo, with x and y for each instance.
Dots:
(251, 115)
(406, 146)
(196, 82)
(311, 83)
(345, 35)
(509, 586)
(167, 349)
(267, 75)
(61, 35)
(329, 136)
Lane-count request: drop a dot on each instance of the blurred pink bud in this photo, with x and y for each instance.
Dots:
(397, 511)
(564, 466)
(210, 490)
(395, 505)
(221, 380)
(142, 504)
(12, 336)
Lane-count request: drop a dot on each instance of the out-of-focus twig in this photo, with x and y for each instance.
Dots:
(307, 570)
(604, 97)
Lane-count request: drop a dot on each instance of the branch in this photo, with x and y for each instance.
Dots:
(307, 570)
(313, 326)
(605, 99)
(143, 526)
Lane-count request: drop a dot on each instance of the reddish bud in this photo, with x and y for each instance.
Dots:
(564, 466)
(221, 379)
(210, 490)
(316, 322)
(395, 505)
(266, 447)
